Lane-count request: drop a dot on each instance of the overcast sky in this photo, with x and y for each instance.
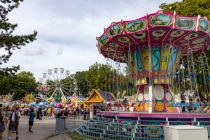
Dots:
(67, 30)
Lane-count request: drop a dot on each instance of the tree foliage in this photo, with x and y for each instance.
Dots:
(189, 7)
(82, 83)
(98, 75)
(25, 83)
(8, 40)
(103, 77)
(19, 84)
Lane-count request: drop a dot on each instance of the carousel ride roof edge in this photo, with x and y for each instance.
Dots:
(156, 29)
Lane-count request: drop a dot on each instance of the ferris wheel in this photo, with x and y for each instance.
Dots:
(59, 82)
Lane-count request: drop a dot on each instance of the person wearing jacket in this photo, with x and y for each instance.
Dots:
(31, 119)
(13, 122)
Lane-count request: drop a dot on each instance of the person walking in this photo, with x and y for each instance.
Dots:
(31, 119)
(196, 105)
(190, 108)
(7, 113)
(183, 103)
(2, 126)
(49, 112)
(85, 113)
(13, 122)
(40, 113)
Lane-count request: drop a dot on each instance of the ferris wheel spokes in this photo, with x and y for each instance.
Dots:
(65, 92)
(58, 80)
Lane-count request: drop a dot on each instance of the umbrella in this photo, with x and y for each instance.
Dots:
(55, 104)
(52, 104)
(59, 105)
(33, 104)
(41, 104)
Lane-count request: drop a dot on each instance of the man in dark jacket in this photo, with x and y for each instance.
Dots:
(13, 122)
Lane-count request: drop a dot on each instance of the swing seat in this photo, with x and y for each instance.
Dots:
(171, 109)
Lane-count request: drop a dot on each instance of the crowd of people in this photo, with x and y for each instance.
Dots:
(52, 112)
(196, 105)
(10, 116)
(191, 105)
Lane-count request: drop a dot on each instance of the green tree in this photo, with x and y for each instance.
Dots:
(189, 7)
(8, 41)
(104, 77)
(99, 75)
(19, 84)
(7, 84)
(25, 83)
(82, 83)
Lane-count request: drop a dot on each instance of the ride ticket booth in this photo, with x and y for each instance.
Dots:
(98, 100)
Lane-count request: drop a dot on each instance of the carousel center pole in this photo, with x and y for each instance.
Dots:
(150, 98)
(150, 70)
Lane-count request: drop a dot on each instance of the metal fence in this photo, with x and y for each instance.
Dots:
(125, 132)
(66, 124)
(101, 128)
(111, 129)
(65, 128)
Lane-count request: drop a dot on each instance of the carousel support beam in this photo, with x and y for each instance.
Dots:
(150, 67)
(150, 98)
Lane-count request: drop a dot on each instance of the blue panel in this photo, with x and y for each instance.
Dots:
(173, 58)
(138, 60)
(156, 58)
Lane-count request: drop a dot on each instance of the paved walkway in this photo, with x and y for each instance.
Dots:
(60, 137)
(42, 129)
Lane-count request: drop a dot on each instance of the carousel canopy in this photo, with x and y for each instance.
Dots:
(153, 45)
(158, 29)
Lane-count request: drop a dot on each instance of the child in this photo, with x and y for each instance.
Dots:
(2, 126)
(31, 119)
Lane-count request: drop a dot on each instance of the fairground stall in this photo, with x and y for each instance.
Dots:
(6, 100)
(161, 51)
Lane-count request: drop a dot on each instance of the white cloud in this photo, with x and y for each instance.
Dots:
(59, 51)
(67, 30)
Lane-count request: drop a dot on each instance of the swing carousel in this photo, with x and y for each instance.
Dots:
(166, 55)
(154, 48)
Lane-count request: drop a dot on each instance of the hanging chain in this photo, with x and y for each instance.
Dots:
(194, 72)
(204, 75)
